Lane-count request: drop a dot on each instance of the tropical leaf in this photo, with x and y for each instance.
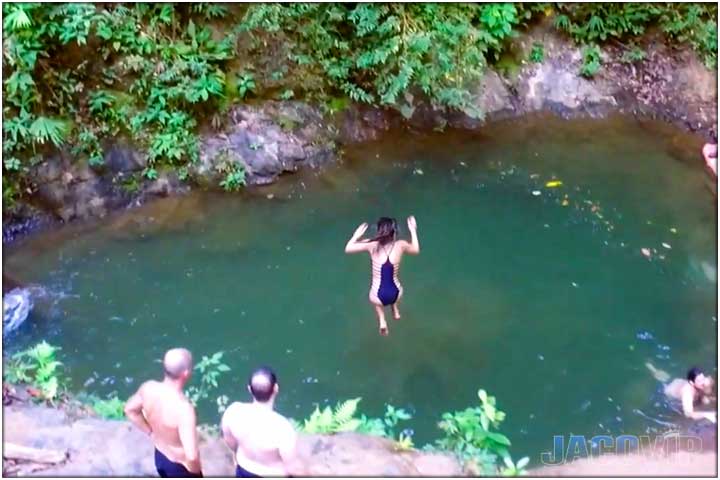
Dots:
(46, 128)
(17, 19)
(346, 410)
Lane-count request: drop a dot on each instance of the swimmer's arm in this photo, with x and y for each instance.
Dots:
(354, 245)
(134, 412)
(689, 409)
(188, 438)
(412, 247)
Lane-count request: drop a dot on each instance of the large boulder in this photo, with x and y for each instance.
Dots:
(265, 141)
(98, 447)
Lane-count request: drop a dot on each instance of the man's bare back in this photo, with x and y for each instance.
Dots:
(263, 442)
(262, 436)
(161, 410)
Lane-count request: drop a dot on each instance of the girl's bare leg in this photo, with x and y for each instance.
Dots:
(381, 320)
(396, 311)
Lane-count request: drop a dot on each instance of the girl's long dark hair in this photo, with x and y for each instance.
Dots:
(386, 231)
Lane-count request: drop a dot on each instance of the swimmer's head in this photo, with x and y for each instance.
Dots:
(386, 230)
(263, 385)
(699, 380)
(178, 364)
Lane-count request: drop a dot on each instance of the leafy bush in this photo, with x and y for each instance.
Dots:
(592, 61)
(691, 23)
(384, 54)
(38, 367)
(537, 54)
(343, 419)
(154, 72)
(328, 420)
(633, 54)
(77, 74)
(209, 369)
(469, 434)
(111, 408)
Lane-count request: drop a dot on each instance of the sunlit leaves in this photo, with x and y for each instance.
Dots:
(45, 129)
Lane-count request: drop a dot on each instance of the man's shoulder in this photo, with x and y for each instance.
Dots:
(234, 409)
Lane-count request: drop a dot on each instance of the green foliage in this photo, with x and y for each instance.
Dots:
(111, 408)
(691, 23)
(328, 420)
(695, 24)
(232, 169)
(470, 435)
(79, 74)
(209, 370)
(155, 70)
(343, 419)
(245, 85)
(592, 61)
(381, 53)
(537, 54)
(38, 367)
(512, 469)
(633, 54)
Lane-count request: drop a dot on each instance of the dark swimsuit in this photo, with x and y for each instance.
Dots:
(240, 472)
(387, 291)
(166, 468)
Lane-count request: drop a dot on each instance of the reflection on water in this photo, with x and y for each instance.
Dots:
(538, 292)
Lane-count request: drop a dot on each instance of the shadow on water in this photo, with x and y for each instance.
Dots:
(539, 294)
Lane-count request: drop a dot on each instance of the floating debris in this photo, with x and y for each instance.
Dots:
(540, 357)
(646, 252)
(666, 245)
(553, 184)
(574, 284)
(418, 171)
(673, 230)
(536, 192)
(565, 202)
(270, 196)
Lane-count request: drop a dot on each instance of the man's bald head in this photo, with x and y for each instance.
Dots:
(263, 384)
(177, 363)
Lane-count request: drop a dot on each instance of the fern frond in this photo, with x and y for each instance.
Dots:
(346, 410)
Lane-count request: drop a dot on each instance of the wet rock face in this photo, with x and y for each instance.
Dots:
(266, 141)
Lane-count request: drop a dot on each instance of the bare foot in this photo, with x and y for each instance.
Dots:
(396, 312)
(384, 330)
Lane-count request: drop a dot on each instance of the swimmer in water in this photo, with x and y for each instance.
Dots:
(386, 252)
(710, 153)
(697, 388)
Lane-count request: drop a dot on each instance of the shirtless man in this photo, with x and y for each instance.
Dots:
(264, 441)
(161, 410)
(696, 389)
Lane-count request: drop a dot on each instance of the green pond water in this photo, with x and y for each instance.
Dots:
(539, 295)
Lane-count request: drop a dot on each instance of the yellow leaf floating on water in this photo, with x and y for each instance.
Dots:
(565, 202)
(553, 183)
(673, 230)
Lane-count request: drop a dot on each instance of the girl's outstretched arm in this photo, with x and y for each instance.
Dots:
(413, 247)
(355, 246)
